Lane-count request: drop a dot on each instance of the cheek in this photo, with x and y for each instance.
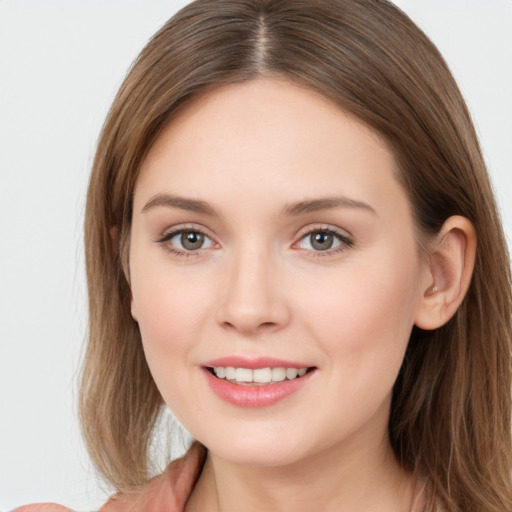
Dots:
(172, 310)
(364, 316)
(170, 306)
(362, 323)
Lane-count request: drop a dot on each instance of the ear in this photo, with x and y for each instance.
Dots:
(114, 234)
(450, 267)
(133, 309)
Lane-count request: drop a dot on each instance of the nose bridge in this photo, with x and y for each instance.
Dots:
(252, 299)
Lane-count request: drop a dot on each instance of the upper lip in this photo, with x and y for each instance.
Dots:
(254, 363)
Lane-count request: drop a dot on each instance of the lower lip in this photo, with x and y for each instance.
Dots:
(255, 395)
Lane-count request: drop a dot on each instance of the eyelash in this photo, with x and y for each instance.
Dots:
(178, 252)
(345, 241)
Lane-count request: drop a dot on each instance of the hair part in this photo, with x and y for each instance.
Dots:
(451, 407)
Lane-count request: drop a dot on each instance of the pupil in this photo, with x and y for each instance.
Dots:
(322, 241)
(191, 240)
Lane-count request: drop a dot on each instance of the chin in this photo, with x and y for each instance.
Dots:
(258, 444)
(258, 453)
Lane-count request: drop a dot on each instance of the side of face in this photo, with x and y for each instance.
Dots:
(269, 224)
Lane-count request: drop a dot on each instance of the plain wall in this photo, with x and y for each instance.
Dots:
(60, 65)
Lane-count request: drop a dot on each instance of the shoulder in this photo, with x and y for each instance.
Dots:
(42, 507)
(168, 491)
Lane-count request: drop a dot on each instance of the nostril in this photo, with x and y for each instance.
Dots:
(249, 325)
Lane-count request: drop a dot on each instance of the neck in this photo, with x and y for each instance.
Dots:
(350, 477)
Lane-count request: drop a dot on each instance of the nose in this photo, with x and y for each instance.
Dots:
(253, 298)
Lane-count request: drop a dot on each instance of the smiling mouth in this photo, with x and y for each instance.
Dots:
(258, 377)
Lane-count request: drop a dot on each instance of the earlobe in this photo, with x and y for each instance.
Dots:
(132, 308)
(450, 267)
(114, 234)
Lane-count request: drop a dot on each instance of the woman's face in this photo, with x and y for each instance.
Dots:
(270, 235)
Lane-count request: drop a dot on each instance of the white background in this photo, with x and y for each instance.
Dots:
(60, 65)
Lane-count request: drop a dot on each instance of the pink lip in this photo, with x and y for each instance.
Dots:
(254, 395)
(254, 364)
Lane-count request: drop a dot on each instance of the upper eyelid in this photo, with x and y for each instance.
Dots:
(323, 227)
(175, 230)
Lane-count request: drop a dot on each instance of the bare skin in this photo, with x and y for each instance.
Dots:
(369, 479)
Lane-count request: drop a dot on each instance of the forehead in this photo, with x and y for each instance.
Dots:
(260, 106)
(230, 141)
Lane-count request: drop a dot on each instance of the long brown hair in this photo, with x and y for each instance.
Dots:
(451, 408)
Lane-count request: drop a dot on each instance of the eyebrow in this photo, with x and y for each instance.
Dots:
(191, 205)
(327, 203)
(293, 209)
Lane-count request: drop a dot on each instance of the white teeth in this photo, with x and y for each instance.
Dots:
(220, 372)
(260, 375)
(291, 373)
(278, 374)
(243, 375)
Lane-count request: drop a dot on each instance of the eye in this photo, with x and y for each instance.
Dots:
(187, 240)
(324, 240)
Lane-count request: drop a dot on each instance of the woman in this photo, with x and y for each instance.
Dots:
(292, 243)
